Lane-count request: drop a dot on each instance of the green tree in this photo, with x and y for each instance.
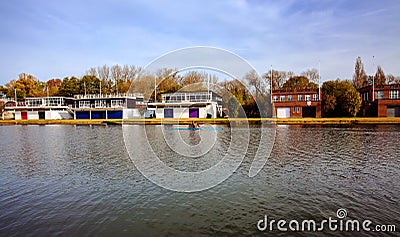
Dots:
(69, 87)
(340, 99)
(90, 84)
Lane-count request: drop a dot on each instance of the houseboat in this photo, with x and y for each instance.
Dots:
(189, 104)
(32, 108)
(109, 106)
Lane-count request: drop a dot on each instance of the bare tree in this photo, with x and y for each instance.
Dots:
(255, 82)
(390, 79)
(116, 73)
(92, 72)
(192, 80)
(311, 74)
(125, 72)
(278, 78)
(103, 72)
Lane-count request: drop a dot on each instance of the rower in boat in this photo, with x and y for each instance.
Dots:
(194, 125)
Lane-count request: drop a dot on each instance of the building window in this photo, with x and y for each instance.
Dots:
(296, 110)
(394, 94)
(84, 104)
(289, 97)
(308, 97)
(282, 98)
(300, 97)
(100, 104)
(275, 98)
(379, 95)
(117, 103)
(315, 97)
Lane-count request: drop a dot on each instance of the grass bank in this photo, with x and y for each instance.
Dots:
(289, 121)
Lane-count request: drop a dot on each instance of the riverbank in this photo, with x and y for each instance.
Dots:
(288, 121)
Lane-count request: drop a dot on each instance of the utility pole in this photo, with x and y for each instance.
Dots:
(15, 95)
(373, 79)
(272, 102)
(208, 87)
(84, 84)
(155, 89)
(319, 80)
(272, 77)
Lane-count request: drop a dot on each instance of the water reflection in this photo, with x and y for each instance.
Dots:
(67, 180)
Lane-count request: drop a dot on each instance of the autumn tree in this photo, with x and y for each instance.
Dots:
(340, 99)
(359, 76)
(167, 81)
(52, 86)
(299, 82)
(3, 90)
(236, 96)
(380, 78)
(26, 86)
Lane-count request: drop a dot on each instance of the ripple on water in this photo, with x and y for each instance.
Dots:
(79, 181)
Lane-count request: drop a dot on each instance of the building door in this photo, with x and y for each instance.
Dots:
(41, 114)
(309, 112)
(193, 112)
(283, 112)
(393, 111)
(24, 115)
(168, 113)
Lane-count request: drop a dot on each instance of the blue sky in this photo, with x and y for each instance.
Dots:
(54, 39)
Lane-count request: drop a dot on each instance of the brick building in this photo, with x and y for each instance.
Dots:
(288, 103)
(381, 101)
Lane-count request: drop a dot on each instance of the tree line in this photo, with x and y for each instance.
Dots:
(361, 79)
(245, 97)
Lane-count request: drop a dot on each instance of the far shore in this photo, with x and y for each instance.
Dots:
(227, 121)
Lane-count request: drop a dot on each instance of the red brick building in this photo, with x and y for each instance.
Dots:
(381, 101)
(298, 103)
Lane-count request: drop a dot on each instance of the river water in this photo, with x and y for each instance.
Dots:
(62, 180)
